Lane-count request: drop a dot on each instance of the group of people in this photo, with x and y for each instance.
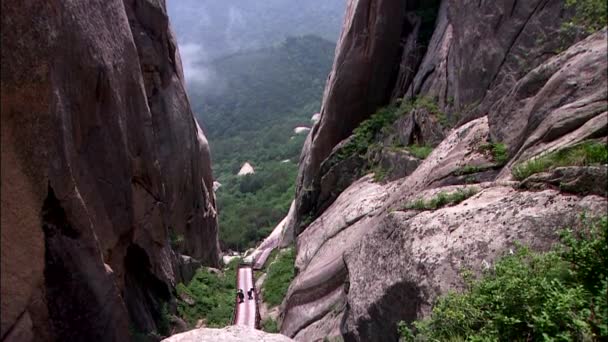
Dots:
(241, 295)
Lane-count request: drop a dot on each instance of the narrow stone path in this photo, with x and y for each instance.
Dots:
(246, 312)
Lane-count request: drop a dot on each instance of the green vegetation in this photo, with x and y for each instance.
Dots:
(428, 103)
(587, 153)
(499, 152)
(176, 239)
(380, 173)
(249, 114)
(365, 134)
(280, 273)
(592, 15)
(420, 152)
(250, 206)
(212, 297)
(164, 321)
(442, 199)
(269, 325)
(468, 169)
(555, 296)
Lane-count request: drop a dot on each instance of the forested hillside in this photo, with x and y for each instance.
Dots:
(224, 27)
(250, 109)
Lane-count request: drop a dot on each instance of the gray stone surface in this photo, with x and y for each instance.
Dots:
(234, 333)
(582, 180)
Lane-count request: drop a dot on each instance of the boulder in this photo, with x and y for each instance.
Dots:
(246, 169)
(235, 333)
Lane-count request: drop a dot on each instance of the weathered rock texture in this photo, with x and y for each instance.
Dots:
(102, 161)
(236, 333)
(369, 44)
(495, 72)
(465, 55)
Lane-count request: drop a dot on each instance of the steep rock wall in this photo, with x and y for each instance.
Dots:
(368, 45)
(464, 55)
(101, 159)
(500, 72)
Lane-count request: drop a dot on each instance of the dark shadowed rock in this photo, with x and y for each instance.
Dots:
(101, 159)
(582, 180)
(419, 127)
(397, 163)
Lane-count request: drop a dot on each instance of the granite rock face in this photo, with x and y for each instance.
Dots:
(102, 161)
(362, 268)
(234, 333)
(465, 55)
(369, 44)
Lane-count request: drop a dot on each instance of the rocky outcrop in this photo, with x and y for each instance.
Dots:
(425, 254)
(369, 44)
(362, 268)
(463, 55)
(561, 102)
(102, 161)
(234, 333)
(583, 180)
(246, 169)
(349, 285)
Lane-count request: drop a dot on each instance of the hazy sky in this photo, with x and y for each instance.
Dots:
(210, 29)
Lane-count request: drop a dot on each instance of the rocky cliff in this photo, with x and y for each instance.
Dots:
(106, 176)
(489, 86)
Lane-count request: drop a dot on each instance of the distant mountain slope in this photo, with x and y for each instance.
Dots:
(251, 105)
(255, 99)
(252, 90)
(225, 27)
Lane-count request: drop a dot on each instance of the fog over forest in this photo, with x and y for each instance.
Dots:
(209, 29)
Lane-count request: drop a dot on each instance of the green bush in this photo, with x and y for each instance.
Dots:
(499, 152)
(380, 173)
(280, 273)
(213, 297)
(587, 153)
(589, 14)
(365, 134)
(442, 199)
(420, 152)
(555, 296)
(269, 325)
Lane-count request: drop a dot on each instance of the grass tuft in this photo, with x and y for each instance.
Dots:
(269, 325)
(420, 151)
(587, 153)
(280, 273)
(442, 199)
